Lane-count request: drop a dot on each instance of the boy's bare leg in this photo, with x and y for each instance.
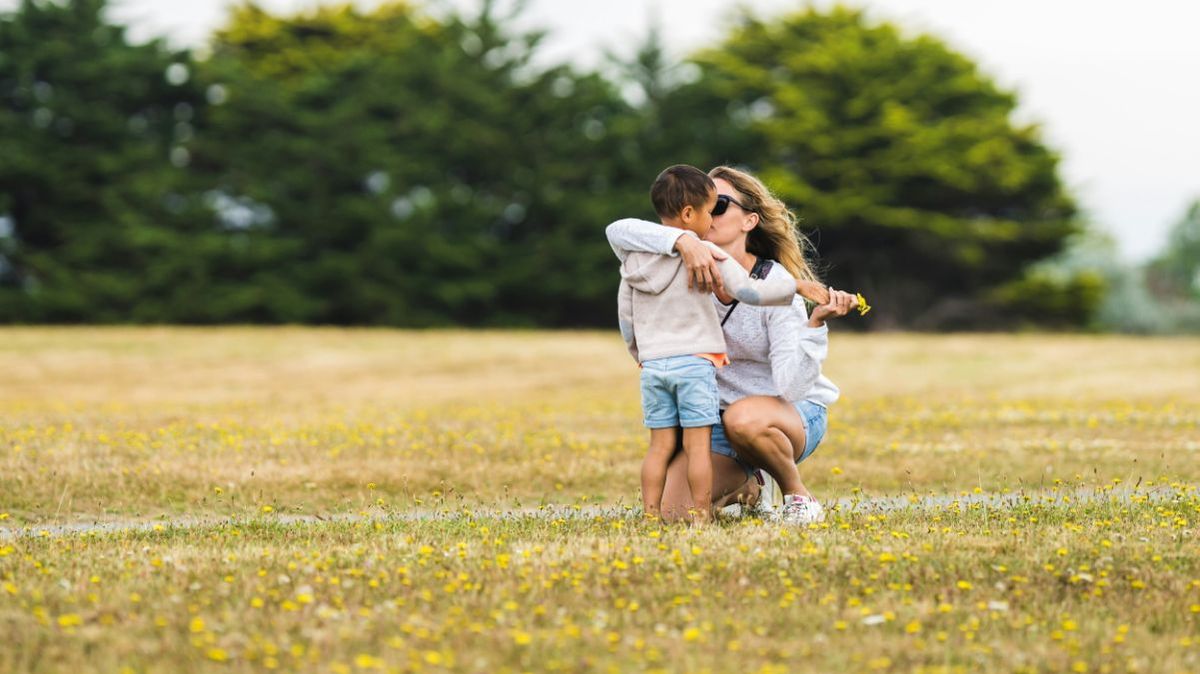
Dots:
(654, 468)
(697, 443)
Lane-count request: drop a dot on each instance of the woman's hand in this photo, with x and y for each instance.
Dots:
(840, 303)
(701, 264)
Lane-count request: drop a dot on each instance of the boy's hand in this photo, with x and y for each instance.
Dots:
(701, 262)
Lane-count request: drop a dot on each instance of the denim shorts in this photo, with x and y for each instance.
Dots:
(815, 418)
(680, 391)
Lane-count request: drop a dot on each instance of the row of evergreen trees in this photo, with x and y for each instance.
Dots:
(393, 167)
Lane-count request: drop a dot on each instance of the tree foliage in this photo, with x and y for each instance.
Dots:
(393, 167)
(414, 172)
(898, 154)
(89, 125)
(1176, 271)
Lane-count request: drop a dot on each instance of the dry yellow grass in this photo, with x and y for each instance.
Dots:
(120, 423)
(133, 421)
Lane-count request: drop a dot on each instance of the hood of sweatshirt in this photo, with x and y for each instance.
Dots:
(650, 273)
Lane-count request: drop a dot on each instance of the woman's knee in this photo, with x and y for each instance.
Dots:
(741, 421)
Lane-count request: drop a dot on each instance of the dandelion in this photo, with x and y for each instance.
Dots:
(69, 620)
(366, 661)
(863, 307)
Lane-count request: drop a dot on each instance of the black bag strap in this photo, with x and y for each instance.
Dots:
(762, 267)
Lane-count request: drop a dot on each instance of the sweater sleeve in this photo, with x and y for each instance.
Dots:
(797, 350)
(633, 235)
(625, 318)
(777, 289)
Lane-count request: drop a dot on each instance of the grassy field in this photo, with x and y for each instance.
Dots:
(1098, 572)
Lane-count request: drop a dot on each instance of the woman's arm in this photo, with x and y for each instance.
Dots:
(797, 351)
(838, 303)
(829, 302)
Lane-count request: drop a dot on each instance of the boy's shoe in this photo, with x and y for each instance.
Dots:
(801, 510)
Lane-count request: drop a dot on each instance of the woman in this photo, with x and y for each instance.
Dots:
(773, 395)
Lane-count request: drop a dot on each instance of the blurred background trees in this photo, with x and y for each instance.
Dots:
(902, 160)
(93, 137)
(393, 167)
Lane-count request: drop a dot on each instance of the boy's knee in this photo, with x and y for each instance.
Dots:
(663, 443)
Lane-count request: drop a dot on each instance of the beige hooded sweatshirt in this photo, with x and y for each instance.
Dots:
(660, 316)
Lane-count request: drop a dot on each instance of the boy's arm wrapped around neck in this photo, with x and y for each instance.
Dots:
(630, 235)
(777, 289)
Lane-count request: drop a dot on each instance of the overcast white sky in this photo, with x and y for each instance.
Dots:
(1115, 84)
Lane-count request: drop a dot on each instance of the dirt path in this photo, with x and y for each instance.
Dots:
(861, 503)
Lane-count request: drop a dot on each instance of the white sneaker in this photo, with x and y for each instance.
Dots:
(732, 510)
(770, 499)
(801, 510)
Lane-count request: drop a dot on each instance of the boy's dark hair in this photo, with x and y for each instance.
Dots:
(678, 186)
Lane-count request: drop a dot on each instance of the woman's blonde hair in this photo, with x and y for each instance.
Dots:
(776, 236)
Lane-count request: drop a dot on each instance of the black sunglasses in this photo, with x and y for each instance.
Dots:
(723, 201)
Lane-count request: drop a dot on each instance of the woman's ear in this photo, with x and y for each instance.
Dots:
(750, 222)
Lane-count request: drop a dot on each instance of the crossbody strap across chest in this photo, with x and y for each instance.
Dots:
(761, 268)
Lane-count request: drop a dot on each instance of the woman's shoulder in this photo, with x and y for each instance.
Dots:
(766, 268)
(772, 268)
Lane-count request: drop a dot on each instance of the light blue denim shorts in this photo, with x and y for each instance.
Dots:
(816, 419)
(680, 391)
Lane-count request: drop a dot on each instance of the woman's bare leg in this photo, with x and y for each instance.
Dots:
(769, 433)
(730, 485)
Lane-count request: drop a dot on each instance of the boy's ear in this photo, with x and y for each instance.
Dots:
(687, 213)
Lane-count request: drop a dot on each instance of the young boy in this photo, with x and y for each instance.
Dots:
(674, 333)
